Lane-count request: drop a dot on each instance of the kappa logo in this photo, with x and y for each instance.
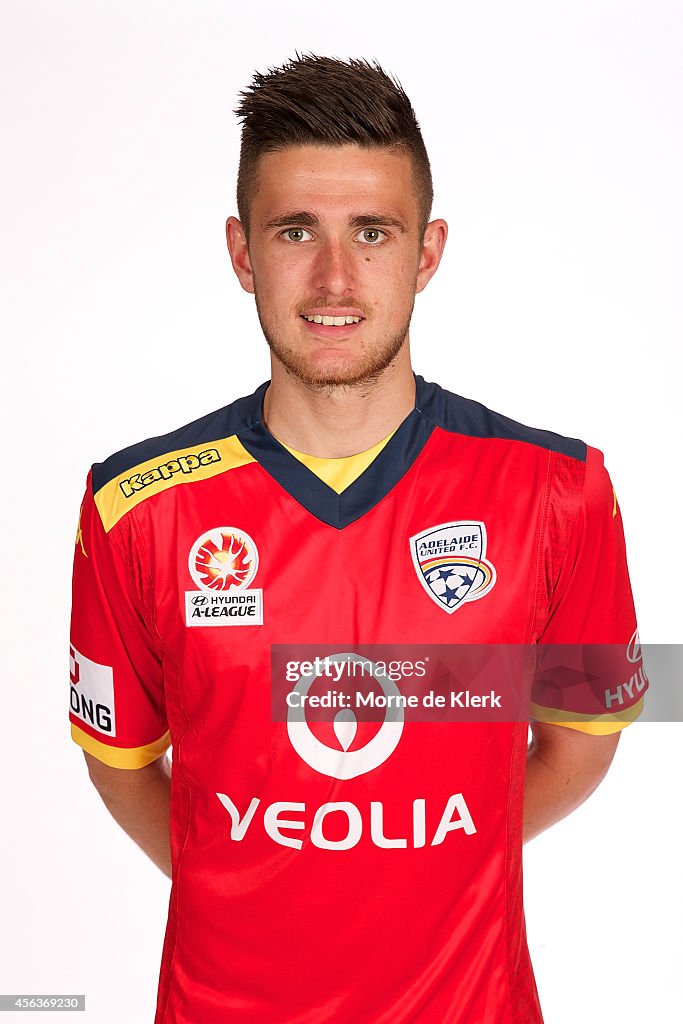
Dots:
(79, 535)
(222, 563)
(165, 471)
(451, 564)
(342, 762)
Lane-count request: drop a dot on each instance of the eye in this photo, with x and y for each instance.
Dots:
(296, 234)
(371, 236)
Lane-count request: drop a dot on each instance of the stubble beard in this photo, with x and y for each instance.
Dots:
(374, 362)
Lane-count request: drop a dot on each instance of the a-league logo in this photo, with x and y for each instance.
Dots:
(223, 559)
(222, 563)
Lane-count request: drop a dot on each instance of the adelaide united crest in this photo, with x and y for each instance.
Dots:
(451, 564)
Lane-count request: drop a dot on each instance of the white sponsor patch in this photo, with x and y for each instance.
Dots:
(92, 693)
(225, 608)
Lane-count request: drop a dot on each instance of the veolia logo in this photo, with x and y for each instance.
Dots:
(344, 763)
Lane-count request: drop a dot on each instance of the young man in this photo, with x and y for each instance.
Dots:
(370, 872)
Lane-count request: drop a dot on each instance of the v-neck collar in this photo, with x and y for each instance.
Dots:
(367, 491)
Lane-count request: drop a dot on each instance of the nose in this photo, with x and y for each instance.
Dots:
(334, 270)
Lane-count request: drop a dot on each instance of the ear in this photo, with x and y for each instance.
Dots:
(239, 253)
(432, 250)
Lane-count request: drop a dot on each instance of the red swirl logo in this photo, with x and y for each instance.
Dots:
(223, 559)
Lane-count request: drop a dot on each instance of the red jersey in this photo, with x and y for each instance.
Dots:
(359, 875)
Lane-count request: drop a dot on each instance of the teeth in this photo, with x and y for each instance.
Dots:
(333, 321)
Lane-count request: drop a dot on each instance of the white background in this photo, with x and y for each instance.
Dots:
(554, 131)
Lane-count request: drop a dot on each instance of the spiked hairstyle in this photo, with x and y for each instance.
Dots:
(322, 101)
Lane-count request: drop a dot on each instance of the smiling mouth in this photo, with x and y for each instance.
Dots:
(331, 321)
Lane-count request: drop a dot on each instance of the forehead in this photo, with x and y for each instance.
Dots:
(334, 179)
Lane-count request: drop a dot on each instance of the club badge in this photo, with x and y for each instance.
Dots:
(451, 564)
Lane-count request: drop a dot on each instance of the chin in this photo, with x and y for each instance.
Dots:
(322, 375)
(342, 369)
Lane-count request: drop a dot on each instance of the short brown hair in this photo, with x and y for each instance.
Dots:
(322, 101)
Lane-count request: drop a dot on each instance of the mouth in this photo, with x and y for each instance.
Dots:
(332, 323)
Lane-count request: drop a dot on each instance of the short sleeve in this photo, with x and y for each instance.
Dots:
(589, 672)
(116, 679)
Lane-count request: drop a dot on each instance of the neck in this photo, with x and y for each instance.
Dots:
(333, 422)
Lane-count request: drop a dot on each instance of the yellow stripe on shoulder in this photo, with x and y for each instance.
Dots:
(121, 757)
(155, 475)
(596, 725)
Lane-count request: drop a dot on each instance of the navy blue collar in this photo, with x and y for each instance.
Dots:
(434, 407)
(373, 484)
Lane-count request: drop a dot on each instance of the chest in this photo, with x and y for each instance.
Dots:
(449, 555)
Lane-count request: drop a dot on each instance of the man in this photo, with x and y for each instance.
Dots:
(344, 871)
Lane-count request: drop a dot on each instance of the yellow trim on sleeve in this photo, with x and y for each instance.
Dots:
(339, 473)
(121, 757)
(596, 725)
(184, 466)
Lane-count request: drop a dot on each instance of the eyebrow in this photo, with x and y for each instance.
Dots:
(360, 220)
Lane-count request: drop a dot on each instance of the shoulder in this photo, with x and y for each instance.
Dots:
(192, 452)
(459, 415)
(189, 438)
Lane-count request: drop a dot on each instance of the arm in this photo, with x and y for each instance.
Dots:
(564, 766)
(139, 800)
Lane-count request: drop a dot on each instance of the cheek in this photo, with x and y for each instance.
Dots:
(275, 290)
(392, 282)
(286, 279)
